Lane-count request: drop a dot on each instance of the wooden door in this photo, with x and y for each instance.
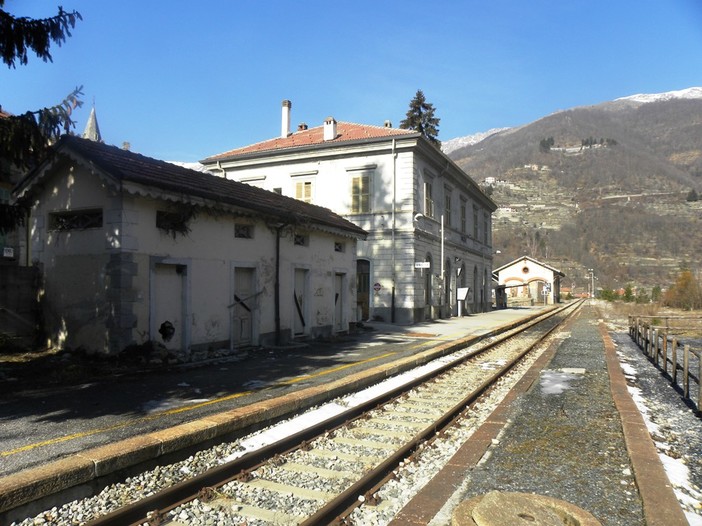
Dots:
(363, 289)
(338, 302)
(300, 302)
(244, 304)
(169, 305)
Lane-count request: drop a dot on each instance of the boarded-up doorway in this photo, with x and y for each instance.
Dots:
(244, 302)
(300, 302)
(363, 289)
(168, 305)
(338, 302)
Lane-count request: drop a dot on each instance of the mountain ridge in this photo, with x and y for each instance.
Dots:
(601, 186)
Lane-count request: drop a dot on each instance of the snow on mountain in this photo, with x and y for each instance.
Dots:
(688, 93)
(460, 142)
(641, 98)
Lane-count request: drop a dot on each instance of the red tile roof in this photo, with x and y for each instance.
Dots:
(345, 132)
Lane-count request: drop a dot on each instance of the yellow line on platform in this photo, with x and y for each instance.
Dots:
(334, 370)
(177, 410)
(97, 431)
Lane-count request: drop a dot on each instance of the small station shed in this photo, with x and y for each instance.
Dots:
(134, 250)
(526, 281)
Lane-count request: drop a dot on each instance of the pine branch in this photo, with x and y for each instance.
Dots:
(18, 35)
(25, 139)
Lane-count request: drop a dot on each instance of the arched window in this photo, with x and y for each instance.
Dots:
(485, 291)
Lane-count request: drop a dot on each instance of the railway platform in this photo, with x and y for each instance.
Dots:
(64, 439)
(568, 431)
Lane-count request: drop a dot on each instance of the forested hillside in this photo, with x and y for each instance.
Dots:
(613, 187)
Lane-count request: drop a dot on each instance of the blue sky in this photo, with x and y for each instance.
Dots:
(186, 80)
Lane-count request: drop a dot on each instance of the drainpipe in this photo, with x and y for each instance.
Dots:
(394, 188)
(277, 284)
(28, 238)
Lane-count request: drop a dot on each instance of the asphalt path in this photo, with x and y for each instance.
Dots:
(38, 426)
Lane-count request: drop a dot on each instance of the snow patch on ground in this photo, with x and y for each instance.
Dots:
(676, 432)
(555, 382)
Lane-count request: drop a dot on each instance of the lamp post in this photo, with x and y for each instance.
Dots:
(442, 247)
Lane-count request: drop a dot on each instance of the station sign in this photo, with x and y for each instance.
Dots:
(422, 264)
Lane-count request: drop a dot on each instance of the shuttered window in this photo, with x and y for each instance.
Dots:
(360, 194)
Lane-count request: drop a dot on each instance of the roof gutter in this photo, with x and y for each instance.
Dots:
(218, 159)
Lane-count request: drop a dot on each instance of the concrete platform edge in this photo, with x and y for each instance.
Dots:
(661, 507)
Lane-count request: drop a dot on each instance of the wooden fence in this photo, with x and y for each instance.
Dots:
(663, 339)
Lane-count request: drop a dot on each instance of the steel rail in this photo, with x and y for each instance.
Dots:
(347, 501)
(165, 500)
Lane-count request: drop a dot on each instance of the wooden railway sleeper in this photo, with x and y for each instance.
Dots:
(243, 476)
(155, 518)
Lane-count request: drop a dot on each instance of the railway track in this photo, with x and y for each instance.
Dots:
(319, 474)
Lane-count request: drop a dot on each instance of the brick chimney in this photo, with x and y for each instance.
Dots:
(285, 127)
(329, 129)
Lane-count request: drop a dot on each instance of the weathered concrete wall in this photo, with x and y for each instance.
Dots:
(101, 289)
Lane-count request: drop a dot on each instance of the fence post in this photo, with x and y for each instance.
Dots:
(699, 384)
(686, 372)
(674, 358)
(655, 345)
(638, 332)
(665, 348)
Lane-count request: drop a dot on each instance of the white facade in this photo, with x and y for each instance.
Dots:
(526, 279)
(396, 186)
(239, 277)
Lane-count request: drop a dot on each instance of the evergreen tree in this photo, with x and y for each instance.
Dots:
(545, 145)
(25, 138)
(656, 293)
(420, 118)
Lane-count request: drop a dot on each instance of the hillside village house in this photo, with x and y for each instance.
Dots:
(528, 281)
(429, 223)
(134, 249)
